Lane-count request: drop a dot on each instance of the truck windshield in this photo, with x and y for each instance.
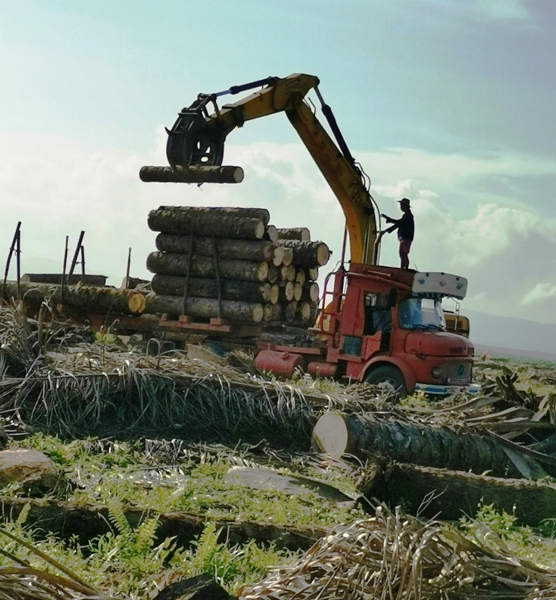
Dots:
(421, 313)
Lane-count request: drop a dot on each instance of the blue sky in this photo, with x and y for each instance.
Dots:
(448, 102)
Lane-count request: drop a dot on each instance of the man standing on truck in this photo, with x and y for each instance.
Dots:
(406, 231)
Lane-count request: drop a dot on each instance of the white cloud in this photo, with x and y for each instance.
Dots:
(542, 291)
(488, 11)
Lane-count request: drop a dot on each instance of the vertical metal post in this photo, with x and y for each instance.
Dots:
(217, 272)
(128, 268)
(64, 268)
(14, 247)
(344, 245)
(78, 251)
(188, 273)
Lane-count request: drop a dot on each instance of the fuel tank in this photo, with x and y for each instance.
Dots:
(437, 343)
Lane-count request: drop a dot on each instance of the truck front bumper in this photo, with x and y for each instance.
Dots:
(445, 390)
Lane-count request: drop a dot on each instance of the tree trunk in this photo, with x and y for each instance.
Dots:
(166, 263)
(230, 249)
(287, 259)
(91, 298)
(273, 273)
(308, 254)
(56, 278)
(289, 311)
(225, 223)
(287, 289)
(206, 308)
(310, 292)
(300, 276)
(194, 174)
(271, 234)
(305, 311)
(174, 285)
(452, 494)
(294, 233)
(359, 435)
(287, 273)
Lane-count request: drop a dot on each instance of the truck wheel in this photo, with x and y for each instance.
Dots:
(388, 378)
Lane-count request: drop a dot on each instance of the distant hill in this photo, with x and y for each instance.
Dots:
(506, 336)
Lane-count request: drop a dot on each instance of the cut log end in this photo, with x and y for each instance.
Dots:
(330, 434)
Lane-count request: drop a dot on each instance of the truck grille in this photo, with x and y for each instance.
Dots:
(457, 372)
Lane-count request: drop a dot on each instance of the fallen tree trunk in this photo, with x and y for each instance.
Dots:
(167, 263)
(227, 248)
(90, 298)
(294, 233)
(449, 495)
(362, 436)
(205, 308)
(193, 174)
(66, 520)
(308, 254)
(226, 223)
(174, 285)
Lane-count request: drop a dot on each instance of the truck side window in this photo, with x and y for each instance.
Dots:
(377, 314)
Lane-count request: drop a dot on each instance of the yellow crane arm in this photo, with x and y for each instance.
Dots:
(277, 95)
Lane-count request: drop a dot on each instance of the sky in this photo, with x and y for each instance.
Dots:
(447, 102)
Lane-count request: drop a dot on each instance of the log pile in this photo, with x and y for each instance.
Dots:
(232, 264)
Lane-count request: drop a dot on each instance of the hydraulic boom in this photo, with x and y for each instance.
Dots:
(197, 139)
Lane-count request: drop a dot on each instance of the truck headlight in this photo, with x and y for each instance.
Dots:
(437, 372)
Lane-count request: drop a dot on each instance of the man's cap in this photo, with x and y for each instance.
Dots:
(404, 200)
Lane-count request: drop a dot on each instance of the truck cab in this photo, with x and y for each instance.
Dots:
(386, 326)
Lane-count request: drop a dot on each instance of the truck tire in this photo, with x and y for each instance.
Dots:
(389, 378)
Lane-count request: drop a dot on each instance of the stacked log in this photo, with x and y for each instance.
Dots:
(231, 263)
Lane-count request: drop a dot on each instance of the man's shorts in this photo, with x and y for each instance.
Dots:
(405, 246)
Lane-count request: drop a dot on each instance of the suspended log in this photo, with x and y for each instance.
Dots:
(231, 289)
(310, 292)
(228, 248)
(56, 278)
(361, 436)
(203, 221)
(167, 263)
(206, 308)
(287, 258)
(452, 494)
(287, 273)
(287, 289)
(308, 254)
(193, 174)
(271, 234)
(294, 233)
(90, 298)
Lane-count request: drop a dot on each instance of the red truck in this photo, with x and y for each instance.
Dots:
(379, 324)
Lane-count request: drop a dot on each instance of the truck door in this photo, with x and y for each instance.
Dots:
(378, 322)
